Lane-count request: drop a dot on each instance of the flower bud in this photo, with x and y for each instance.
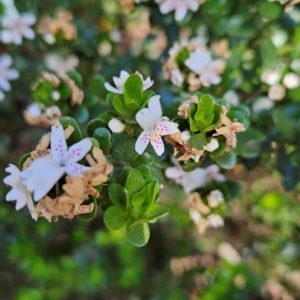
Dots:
(212, 145)
(116, 126)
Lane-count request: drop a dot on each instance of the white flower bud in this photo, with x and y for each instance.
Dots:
(49, 38)
(215, 198)
(116, 126)
(212, 145)
(55, 95)
(291, 80)
(185, 135)
(215, 220)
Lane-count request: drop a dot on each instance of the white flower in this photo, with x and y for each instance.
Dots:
(190, 181)
(185, 135)
(215, 220)
(291, 80)
(212, 145)
(154, 125)
(276, 92)
(44, 172)
(195, 215)
(16, 27)
(116, 126)
(270, 77)
(6, 74)
(176, 77)
(200, 62)
(213, 173)
(232, 97)
(18, 192)
(61, 65)
(34, 110)
(181, 7)
(120, 81)
(215, 198)
(52, 112)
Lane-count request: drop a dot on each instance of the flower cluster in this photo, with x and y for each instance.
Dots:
(16, 26)
(192, 63)
(195, 179)
(6, 74)
(203, 214)
(50, 91)
(45, 167)
(59, 26)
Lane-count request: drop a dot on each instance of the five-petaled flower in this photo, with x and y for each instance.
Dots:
(120, 81)
(45, 171)
(16, 26)
(201, 62)
(154, 125)
(181, 7)
(6, 74)
(18, 192)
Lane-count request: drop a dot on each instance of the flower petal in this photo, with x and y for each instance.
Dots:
(12, 179)
(5, 60)
(28, 18)
(58, 143)
(18, 196)
(145, 119)
(166, 128)
(110, 88)
(142, 142)
(180, 12)
(155, 107)
(76, 170)
(174, 172)
(124, 75)
(12, 74)
(4, 85)
(147, 83)
(29, 34)
(158, 145)
(79, 150)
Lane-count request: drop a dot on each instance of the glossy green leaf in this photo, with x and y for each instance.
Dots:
(115, 217)
(156, 211)
(227, 160)
(117, 194)
(96, 86)
(135, 182)
(139, 234)
(197, 141)
(124, 151)
(76, 135)
(103, 136)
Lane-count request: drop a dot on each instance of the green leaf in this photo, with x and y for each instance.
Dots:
(124, 151)
(268, 52)
(190, 165)
(76, 77)
(64, 91)
(106, 117)
(221, 149)
(80, 113)
(103, 136)
(198, 141)
(92, 126)
(117, 194)
(96, 86)
(42, 92)
(138, 199)
(90, 100)
(284, 124)
(151, 190)
(133, 92)
(145, 170)
(144, 159)
(119, 106)
(92, 214)
(23, 159)
(217, 113)
(139, 234)
(76, 136)
(270, 10)
(121, 179)
(135, 182)
(227, 160)
(156, 211)
(204, 112)
(116, 217)
(157, 173)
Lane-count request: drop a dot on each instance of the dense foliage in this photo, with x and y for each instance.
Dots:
(175, 117)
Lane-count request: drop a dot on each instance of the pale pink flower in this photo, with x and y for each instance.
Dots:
(154, 125)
